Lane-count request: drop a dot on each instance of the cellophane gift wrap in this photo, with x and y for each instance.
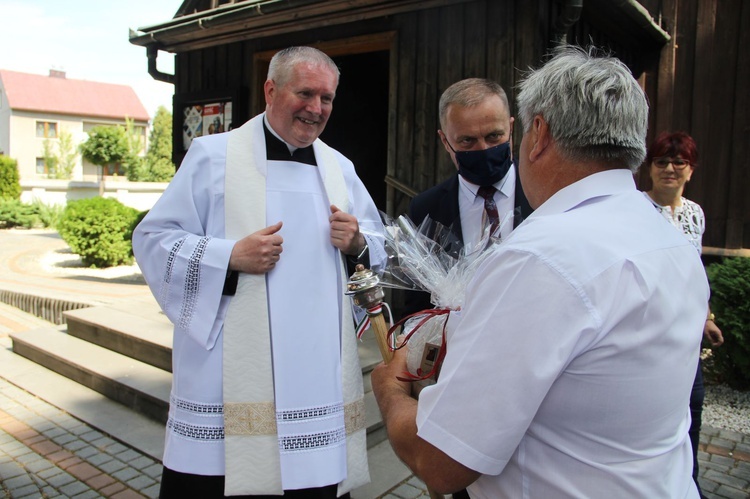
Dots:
(431, 258)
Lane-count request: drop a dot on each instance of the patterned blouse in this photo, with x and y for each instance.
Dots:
(688, 218)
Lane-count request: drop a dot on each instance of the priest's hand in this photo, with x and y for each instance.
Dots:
(258, 252)
(345, 233)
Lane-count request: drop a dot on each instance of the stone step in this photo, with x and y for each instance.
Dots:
(147, 339)
(98, 411)
(146, 435)
(134, 383)
(137, 385)
(141, 331)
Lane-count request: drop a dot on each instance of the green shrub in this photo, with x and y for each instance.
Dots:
(49, 215)
(99, 231)
(10, 181)
(730, 301)
(14, 213)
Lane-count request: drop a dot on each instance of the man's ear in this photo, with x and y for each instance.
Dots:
(540, 138)
(269, 87)
(444, 141)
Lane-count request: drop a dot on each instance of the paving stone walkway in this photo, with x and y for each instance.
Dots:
(45, 452)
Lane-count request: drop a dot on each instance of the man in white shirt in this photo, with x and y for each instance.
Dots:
(569, 373)
(267, 395)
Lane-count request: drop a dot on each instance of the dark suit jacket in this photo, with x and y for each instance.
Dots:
(441, 204)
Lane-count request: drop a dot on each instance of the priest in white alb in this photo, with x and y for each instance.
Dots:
(246, 253)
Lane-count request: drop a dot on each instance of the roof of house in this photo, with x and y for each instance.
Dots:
(60, 95)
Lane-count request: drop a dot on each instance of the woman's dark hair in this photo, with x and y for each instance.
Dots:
(673, 144)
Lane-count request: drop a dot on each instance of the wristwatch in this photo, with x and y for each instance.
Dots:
(711, 317)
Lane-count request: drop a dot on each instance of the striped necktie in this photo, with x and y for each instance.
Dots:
(488, 193)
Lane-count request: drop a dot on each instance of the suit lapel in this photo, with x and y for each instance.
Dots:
(446, 211)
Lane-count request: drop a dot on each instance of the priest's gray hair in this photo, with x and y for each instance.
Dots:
(282, 63)
(469, 93)
(595, 109)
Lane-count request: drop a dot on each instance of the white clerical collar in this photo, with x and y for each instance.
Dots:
(270, 128)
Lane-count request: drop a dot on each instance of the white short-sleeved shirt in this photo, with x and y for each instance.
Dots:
(569, 374)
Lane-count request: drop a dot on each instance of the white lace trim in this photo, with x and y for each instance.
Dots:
(198, 433)
(303, 443)
(192, 283)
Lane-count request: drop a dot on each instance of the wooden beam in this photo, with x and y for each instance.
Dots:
(243, 24)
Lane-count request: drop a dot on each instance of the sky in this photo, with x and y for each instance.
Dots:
(88, 39)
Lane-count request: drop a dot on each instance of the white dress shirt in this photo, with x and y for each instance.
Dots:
(570, 372)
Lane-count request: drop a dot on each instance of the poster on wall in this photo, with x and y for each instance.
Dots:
(192, 124)
(205, 119)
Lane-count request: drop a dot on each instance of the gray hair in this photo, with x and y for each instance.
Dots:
(468, 93)
(282, 63)
(595, 109)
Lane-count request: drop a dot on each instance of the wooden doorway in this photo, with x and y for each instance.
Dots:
(358, 126)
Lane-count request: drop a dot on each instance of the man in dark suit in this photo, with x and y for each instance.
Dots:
(476, 129)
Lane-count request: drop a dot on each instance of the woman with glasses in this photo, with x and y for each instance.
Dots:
(671, 160)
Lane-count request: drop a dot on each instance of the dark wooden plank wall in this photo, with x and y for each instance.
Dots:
(706, 94)
(435, 48)
(700, 85)
(738, 219)
(438, 47)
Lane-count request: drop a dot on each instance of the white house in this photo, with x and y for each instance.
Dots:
(38, 112)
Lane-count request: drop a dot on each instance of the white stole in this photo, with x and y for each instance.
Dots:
(251, 440)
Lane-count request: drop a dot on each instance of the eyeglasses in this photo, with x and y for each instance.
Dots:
(677, 163)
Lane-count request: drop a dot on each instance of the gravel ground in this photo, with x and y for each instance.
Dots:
(65, 262)
(727, 409)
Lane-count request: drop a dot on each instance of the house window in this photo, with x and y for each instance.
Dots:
(46, 129)
(42, 168)
(114, 169)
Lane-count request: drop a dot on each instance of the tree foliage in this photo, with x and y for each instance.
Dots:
(60, 156)
(134, 138)
(67, 155)
(105, 145)
(10, 180)
(158, 166)
(50, 157)
(160, 141)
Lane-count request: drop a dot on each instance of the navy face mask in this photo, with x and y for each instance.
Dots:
(484, 167)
